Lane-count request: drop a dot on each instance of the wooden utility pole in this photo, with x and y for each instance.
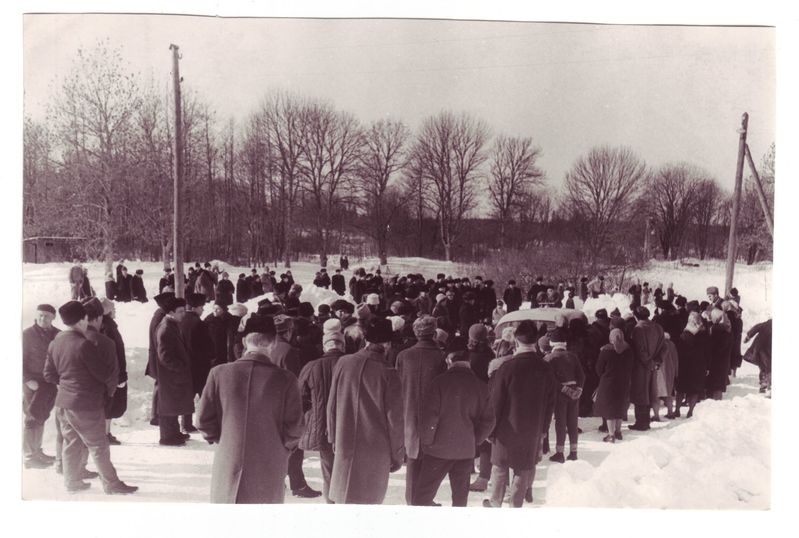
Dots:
(736, 202)
(761, 195)
(177, 240)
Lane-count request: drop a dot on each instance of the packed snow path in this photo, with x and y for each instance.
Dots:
(720, 458)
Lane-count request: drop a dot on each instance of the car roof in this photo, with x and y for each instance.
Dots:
(545, 314)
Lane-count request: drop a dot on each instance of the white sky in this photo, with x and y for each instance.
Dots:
(671, 93)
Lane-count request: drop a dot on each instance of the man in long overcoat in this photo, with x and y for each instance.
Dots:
(151, 369)
(523, 392)
(175, 386)
(252, 409)
(200, 346)
(648, 341)
(417, 366)
(118, 404)
(38, 396)
(364, 421)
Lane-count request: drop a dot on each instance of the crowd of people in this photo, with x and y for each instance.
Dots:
(405, 371)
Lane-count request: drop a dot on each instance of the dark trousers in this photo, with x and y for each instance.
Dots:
(154, 408)
(169, 427)
(412, 468)
(642, 415)
(84, 431)
(484, 450)
(432, 472)
(186, 421)
(522, 479)
(566, 411)
(36, 405)
(326, 460)
(296, 475)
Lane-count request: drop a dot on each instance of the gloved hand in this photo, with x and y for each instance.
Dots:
(32, 384)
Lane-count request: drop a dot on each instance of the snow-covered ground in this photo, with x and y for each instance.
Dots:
(718, 459)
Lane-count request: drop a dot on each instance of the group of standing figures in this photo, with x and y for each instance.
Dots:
(398, 379)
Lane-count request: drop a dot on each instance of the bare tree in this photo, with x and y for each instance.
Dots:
(330, 148)
(283, 122)
(37, 171)
(599, 189)
(449, 152)
(670, 198)
(513, 175)
(754, 231)
(382, 159)
(92, 115)
(707, 205)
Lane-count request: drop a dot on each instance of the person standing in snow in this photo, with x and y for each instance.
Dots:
(456, 416)
(364, 421)
(417, 366)
(692, 369)
(647, 344)
(118, 403)
(84, 380)
(512, 296)
(315, 380)
(569, 373)
(759, 353)
(76, 280)
(242, 289)
(523, 392)
(110, 287)
(151, 369)
(720, 351)
(197, 337)
(338, 284)
(175, 388)
(614, 366)
(137, 287)
(480, 355)
(38, 396)
(252, 457)
(225, 290)
(124, 285)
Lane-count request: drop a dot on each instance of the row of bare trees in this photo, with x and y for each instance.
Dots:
(298, 174)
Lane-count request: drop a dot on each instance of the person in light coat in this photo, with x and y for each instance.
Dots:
(251, 410)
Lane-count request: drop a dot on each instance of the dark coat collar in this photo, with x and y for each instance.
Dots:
(256, 357)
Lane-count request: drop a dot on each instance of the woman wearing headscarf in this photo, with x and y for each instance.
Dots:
(614, 367)
(692, 362)
(736, 328)
(720, 349)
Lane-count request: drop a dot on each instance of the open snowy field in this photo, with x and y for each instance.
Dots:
(718, 459)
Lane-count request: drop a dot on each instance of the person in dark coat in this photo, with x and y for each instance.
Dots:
(759, 353)
(252, 410)
(289, 357)
(647, 344)
(596, 337)
(204, 283)
(469, 313)
(324, 279)
(256, 286)
(692, 368)
(523, 392)
(137, 290)
(110, 287)
(417, 366)
(480, 354)
(613, 366)
(242, 289)
(76, 280)
(512, 297)
(167, 280)
(364, 421)
(736, 329)
(86, 289)
(84, 382)
(225, 290)
(175, 386)
(197, 337)
(38, 396)
(569, 373)
(151, 369)
(124, 285)
(235, 337)
(218, 324)
(720, 350)
(338, 284)
(118, 404)
(456, 416)
(315, 380)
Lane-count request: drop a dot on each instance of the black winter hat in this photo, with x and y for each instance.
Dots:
(259, 323)
(71, 312)
(378, 330)
(195, 300)
(93, 307)
(46, 308)
(305, 310)
(527, 332)
(161, 298)
(139, 272)
(641, 312)
(601, 314)
(172, 304)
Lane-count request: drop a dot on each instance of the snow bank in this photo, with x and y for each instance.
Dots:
(720, 458)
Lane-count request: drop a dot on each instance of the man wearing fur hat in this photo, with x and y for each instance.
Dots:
(84, 381)
(38, 396)
(197, 338)
(417, 366)
(337, 283)
(315, 380)
(137, 287)
(354, 334)
(648, 342)
(175, 387)
(364, 421)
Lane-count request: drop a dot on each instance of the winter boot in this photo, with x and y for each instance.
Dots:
(558, 457)
(572, 456)
(479, 484)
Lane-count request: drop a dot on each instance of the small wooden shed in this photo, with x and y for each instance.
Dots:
(46, 249)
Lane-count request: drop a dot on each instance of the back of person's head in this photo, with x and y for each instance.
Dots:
(526, 332)
(257, 341)
(641, 313)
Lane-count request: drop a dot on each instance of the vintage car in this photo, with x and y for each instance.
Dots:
(543, 315)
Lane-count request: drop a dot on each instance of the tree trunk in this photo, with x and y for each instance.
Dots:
(448, 252)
